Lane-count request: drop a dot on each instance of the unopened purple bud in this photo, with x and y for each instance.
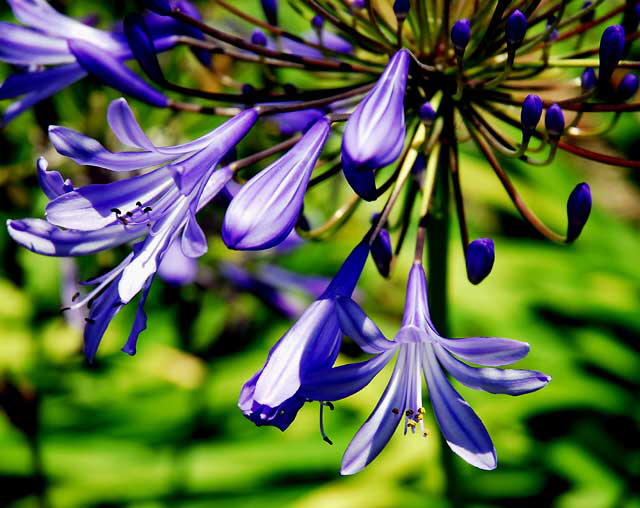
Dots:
(426, 113)
(419, 165)
(111, 71)
(480, 256)
(627, 87)
(531, 113)
(159, 6)
(587, 17)
(267, 207)
(588, 79)
(270, 9)
(516, 28)
(358, 4)
(317, 22)
(382, 252)
(611, 50)
(553, 35)
(401, 8)
(554, 121)
(578, 210)
(374, 134)
(141, 44)
(258, 38)
(460, 35)
(247, 89)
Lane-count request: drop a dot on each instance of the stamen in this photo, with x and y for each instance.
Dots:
(75, 296)
(322, 432)
(395, 411)
(90, 321)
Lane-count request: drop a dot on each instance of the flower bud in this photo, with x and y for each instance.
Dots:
(578, 210)
(317, 22)
(426, 113)
(460, 35)
(554, 121)
(531, 113)
(401, 8)
(588, 79)
(270, 9)
(627, 87)
(611, 50)
(382, 252)
(141, 44)
(588, 16)
(114, 73)
(516, 28)
(374, 134)
(258, 38)
(480, 256)
(358, 4)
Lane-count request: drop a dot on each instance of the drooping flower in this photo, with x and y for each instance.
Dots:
(272, 396)
(420, 348)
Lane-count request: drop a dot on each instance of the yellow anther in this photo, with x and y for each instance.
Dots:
(421, 410)
(411, 424)
(409, 412)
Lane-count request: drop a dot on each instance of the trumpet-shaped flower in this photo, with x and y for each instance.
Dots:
(419, 348)
(273, 395)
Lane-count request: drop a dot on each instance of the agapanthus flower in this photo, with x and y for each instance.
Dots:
(421, 349)
(156, 208)
(414, 82)
(272, 396)
(56, 50)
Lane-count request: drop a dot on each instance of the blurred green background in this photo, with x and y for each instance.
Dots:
(162, 428)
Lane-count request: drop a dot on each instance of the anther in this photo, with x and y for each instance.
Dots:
(147, 209)
(75, 297)
(139, 204)
(395, 411)
(90, 321)
(116, 211)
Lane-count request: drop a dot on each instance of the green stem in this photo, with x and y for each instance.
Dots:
(437, 252)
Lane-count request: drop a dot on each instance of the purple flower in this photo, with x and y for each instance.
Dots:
(375, 132)
(267, 207)
(158, 206)
(45, 39)
(272, 396)
(421, 348)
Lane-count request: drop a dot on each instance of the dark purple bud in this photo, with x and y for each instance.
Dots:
(611, 50)
(531, 113)
(270, 9)
(516, 28)
(426, 113)
(627, 87)
(554, 34)
(114, 73)
(317, 22)
(382, 252)
(401, 8)
(419, 165)
(258, 38)
(480, 256)
(460, 35)
(359, 4)
(247, 89)
(554, 121)
(587, 17)
(578, 210)
(588, 79)
(141, 44)
(159, 6)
